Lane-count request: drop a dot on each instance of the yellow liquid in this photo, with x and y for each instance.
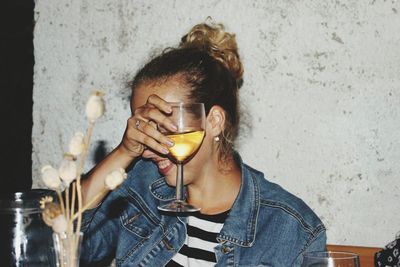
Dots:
(185, 144)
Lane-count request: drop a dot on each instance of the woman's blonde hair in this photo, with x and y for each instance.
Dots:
(218, 43)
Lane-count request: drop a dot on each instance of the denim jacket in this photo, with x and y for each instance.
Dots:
(267, 226)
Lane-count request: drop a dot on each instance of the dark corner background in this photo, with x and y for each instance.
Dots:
(16, 84)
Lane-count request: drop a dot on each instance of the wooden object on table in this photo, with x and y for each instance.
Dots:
(366, 254)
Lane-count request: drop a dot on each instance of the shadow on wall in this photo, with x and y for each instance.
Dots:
(100, 151)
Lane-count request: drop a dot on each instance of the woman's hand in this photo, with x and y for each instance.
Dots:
(142, 128)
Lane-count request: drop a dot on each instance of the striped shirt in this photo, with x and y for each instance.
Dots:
(201, 238)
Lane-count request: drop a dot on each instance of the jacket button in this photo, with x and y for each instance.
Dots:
(167, 245)
(225, 249)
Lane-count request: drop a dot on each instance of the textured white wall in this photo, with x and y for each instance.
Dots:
(321, 98)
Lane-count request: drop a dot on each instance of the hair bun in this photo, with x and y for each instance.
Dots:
(217, 43)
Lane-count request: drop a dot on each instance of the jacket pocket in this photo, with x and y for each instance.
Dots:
(136, 223)
(136, 230)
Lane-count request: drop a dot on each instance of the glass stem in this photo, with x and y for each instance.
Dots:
(179, 182)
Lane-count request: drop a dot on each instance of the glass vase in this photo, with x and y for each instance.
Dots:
(25, 240)
(67, 248)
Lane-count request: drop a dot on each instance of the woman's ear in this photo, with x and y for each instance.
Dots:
(216, 120)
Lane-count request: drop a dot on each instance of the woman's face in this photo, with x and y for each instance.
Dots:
(172, 91)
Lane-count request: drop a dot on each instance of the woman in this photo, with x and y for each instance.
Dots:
(244, 220)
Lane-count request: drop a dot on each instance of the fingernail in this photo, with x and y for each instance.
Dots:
(170, 143)
(174, 127)
(164, 151)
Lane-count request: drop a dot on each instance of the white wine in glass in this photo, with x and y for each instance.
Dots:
(190, 120)
(330, 259)
(185, 144)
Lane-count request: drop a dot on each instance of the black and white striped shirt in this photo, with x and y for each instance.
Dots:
(201, 238)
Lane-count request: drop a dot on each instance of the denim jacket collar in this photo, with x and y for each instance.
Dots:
(244, 210)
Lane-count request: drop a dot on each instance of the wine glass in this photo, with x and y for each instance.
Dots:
(190, 120)
(330, 259)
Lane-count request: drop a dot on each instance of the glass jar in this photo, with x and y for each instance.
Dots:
(25, 239)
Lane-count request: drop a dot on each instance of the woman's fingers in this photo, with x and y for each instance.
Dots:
(140, 134)
(150, 142)
(158, 102)
(153, 114)
(146, 127)
(151, 137)
(157, 109)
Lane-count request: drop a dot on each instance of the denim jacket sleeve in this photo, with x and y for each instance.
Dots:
(318, 243)
(126, 220)
(100, 228)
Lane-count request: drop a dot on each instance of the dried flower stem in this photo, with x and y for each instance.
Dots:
(73, 201)
(61, 199)
(67, 203)
(88, 204)
(80, 170)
